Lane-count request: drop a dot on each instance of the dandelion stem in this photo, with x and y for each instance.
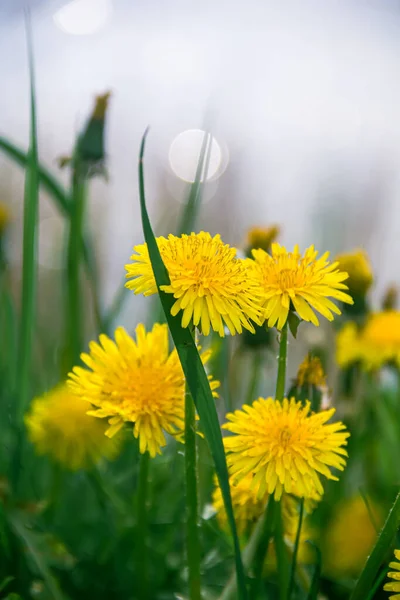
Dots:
(295, 551)
(192, 532)
(377, 556)
(268, 519)
(281, 553)
(75, 304)
(280, 382)
(142, 574)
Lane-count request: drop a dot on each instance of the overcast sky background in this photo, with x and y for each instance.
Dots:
(302, 96)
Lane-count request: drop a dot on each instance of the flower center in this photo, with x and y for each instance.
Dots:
(285, 436)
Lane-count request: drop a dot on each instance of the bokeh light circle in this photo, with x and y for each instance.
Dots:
(184, 154)
(83, 17)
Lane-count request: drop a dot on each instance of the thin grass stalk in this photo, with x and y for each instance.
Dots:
(379, 581)
(377, 556)
(30, 246)
(74, 296)
(295, 551)
(142, 560)
(192, 529)
(281, 554)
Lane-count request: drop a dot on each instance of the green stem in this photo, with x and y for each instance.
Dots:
(377, 556)
(281, 553)
(295, 551)
(192, 531)
(255, 376)
(378, 584)
(142, 529)
(75, 303)
(280, 382)
(263, 544)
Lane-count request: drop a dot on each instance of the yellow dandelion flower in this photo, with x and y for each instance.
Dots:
(284, 446)
(302, 283)
(262, 237)
(350, 537)
(58, 425)
(310, 372)
(394, 586)
(374, 345)
(248, 506)
(138, 382)
(211, 286)
(4, 216)
(356, 264)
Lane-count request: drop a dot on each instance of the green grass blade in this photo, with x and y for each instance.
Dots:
(49, 183)
(30, 248)
(377, 556)
(28, 540)
(195, 375)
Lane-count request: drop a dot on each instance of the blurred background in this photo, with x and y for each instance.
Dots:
(302, 97)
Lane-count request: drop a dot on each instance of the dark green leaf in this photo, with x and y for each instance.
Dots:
(314, 587)
(294, 322)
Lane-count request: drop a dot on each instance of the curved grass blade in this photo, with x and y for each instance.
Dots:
(195, 375)
(377, 556)
(28, 540)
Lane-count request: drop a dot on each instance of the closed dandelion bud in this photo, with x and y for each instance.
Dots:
(358, 267)
(261, 237)
(390, 298)
(310, 382)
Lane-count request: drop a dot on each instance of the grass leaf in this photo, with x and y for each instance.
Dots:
(195, 375)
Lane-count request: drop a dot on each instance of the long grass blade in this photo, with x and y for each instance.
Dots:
(377, 556)
(30, 247)
(195, 375)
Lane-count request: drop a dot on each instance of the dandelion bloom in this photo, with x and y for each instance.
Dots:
(262, 237)
(350, 537)
(284, 446)
(310, 372)
(302, 283)
(373, 345)
(58, 425)
(356, 264)
(394, 586)
(210, 285)
(138, 382)
(248, 506)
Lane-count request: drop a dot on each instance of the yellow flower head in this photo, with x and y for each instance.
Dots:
(284, 446)
(4, 217)
(262, 237)
(211, 286)
(350, 537)
(58, 425)
(358, 267)
(137, 382)
(303, 283)
(394, 586)
(311, 372)
(377, 343)
(248, 506)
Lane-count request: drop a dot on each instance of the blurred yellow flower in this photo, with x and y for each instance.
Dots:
(138, 382)
(4, 216)
(58, 425)
(284, 447)
(358, 267)
(394, 586)
(310, 372)
(350, 537)
(248, 506)
(302, 283)
(262, 237)
(377, 343)
(211, 286)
